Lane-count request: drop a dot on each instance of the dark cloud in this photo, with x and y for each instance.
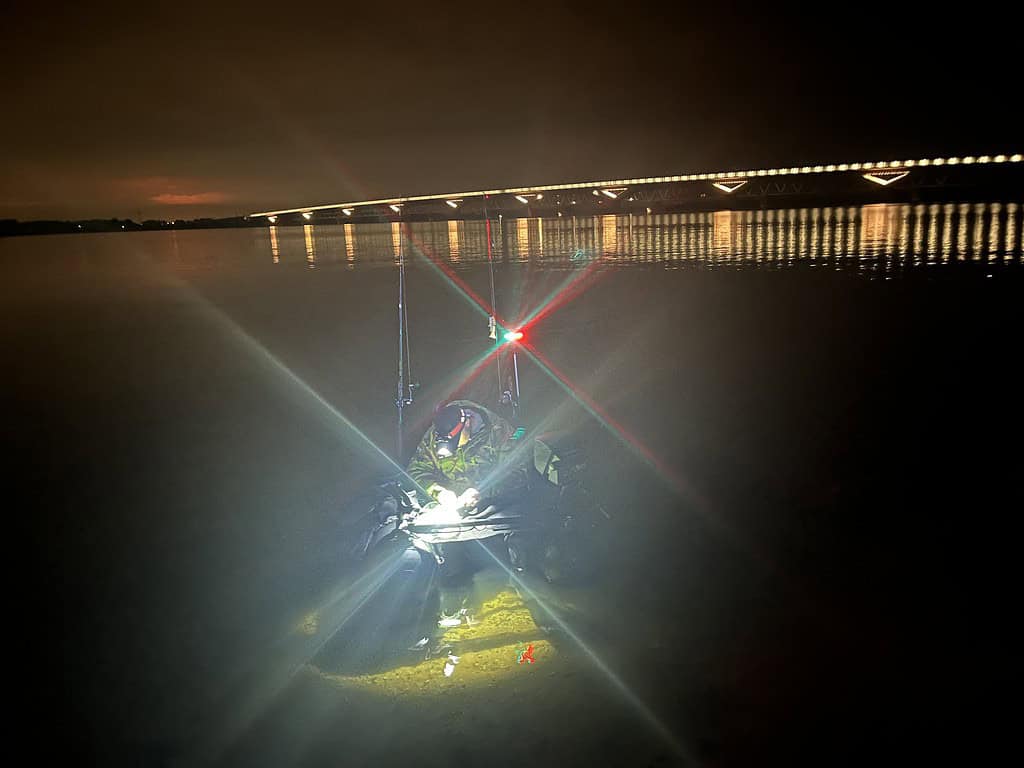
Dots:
(263, 106)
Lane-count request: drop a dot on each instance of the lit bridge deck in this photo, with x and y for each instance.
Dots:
(906, 178)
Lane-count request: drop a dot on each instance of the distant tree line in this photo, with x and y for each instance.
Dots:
(12, 227)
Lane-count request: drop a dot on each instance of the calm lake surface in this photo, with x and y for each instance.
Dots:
(805, 425)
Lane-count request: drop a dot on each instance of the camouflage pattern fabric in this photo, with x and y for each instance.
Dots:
(470, 463)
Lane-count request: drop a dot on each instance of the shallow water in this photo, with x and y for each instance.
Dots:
(809, 469)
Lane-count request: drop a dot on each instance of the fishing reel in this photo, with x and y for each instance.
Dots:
(401, 402)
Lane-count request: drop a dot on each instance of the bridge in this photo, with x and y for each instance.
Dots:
(922, 179)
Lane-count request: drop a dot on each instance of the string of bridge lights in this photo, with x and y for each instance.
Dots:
(884, 173)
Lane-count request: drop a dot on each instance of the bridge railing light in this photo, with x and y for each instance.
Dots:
(729, 186)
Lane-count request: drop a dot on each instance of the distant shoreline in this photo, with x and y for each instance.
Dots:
(16, 228)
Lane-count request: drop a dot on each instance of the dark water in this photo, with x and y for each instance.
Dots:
(812, 473)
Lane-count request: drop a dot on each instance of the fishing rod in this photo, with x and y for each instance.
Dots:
(406, 386)
(506, 395)
(405, 391)
(492, 323)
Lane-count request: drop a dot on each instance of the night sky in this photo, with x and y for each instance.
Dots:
(191, 111)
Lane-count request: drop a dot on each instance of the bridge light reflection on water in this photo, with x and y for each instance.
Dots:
(881, 239)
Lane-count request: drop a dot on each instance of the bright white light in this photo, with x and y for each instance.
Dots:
(538, 196)
(396, 207)
(728, 186)
(1016, 158)
(513, 336)
(307, 215)
(522, 199)
(271, 219)
(886, 180)
(609, 193)
(999, 159)
(452, 204)
(444, 512)
(347, 211)
(596, 193)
